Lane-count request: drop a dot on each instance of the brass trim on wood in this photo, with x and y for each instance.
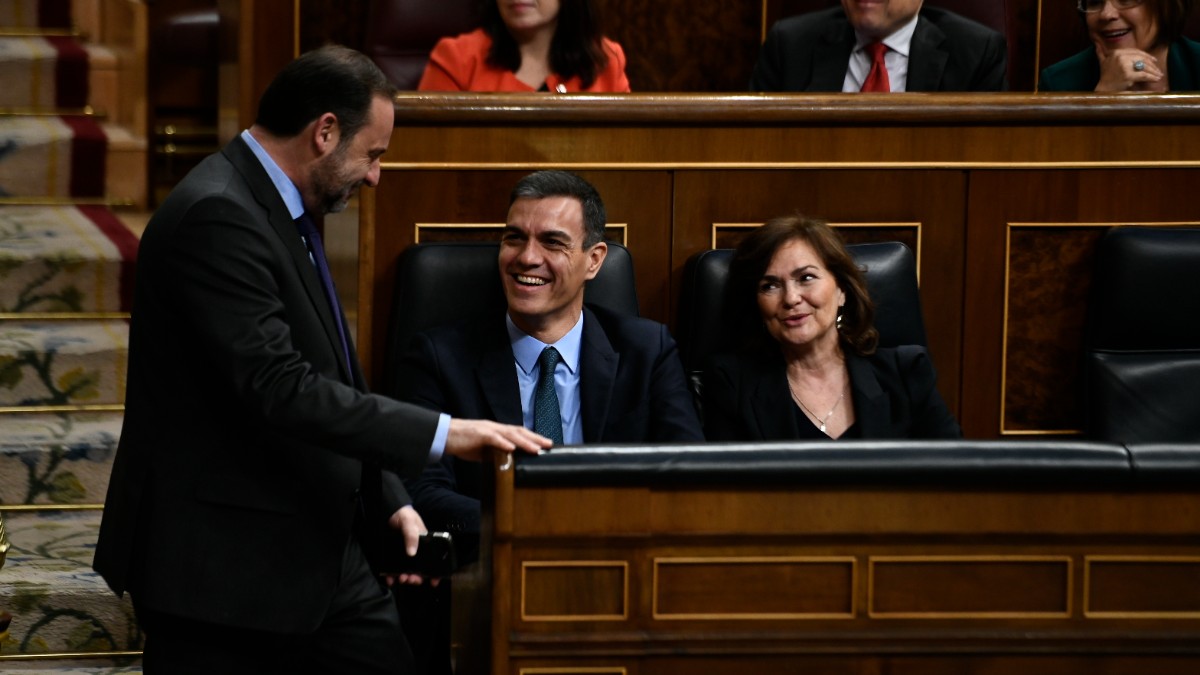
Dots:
(623, 565)
(823, 166)
(51, 507)
(63, 316)
(896, 225)
(70, 655)
(574, 669)
(748, 560)
(1130, 615)
(953, 559)
(417, 227)
(98, 407)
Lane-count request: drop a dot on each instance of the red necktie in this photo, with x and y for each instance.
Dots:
(877, 79)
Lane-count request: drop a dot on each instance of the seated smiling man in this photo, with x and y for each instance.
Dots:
(579, 373)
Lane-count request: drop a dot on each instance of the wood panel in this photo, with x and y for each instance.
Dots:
(1030, 258)
(1001, 196)
(843, 579)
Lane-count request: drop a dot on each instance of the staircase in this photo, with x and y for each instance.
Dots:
(73, 160)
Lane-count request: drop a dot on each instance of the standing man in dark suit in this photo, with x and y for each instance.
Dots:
(255, 473)
(880, 45)
(616, 378)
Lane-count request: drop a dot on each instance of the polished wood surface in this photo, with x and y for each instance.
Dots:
(1001, 196)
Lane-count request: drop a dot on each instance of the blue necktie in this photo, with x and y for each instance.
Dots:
(547, 418)
(312, 238)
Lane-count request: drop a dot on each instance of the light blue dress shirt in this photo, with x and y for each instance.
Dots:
(526, 351)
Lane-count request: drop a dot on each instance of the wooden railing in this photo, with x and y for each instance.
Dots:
(1002, 198)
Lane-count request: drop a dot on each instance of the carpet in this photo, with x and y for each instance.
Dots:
(57, 458)
(52, 157)
(65, 259)
(58, 603)
(63, 363)
(43, 72)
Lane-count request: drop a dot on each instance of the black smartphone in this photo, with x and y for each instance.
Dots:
(434, 558)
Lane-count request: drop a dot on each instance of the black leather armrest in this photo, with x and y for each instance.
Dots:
(949, 463)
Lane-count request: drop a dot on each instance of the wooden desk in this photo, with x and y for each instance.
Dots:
(1026, 559)
(1001, 196)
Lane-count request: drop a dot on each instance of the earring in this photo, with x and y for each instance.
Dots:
(839, 317)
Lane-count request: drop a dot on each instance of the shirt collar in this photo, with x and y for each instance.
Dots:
(287, 189)
(527, 349)
(899, 41)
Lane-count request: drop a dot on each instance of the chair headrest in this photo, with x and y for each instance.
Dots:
(1146, 293)
(401, 33)
(442, 283)
(891, 282)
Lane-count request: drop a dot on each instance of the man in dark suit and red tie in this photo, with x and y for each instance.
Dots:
(256, 474)
(880, 46)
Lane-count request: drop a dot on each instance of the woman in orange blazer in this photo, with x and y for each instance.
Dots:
(529, 45)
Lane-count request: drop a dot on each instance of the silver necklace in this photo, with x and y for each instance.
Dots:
(815, 416)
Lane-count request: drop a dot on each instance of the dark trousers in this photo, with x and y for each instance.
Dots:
(360, 634)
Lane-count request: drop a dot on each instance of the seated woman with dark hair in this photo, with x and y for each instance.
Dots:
(529, 45)
(809, 368)
(1138, 45)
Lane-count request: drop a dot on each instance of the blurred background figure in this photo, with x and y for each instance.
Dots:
(530, 45)
(808, 368)
(882, 46)
(1138, 45)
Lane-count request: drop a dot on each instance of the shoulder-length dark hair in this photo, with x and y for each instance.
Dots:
(857, 332)
(1172, 17)
(577, 47)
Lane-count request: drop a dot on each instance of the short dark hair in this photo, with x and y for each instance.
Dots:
(332, 79)
(554, 183)
(754, 254)
(577, 47)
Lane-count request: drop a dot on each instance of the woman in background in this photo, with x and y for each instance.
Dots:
(1138, 45)
(809, 368)
(529, 45)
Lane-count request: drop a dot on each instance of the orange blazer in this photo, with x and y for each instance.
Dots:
(460, 64)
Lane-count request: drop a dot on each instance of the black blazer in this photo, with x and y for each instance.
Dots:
(811, 52)
(746, 397)
(632, 390)
(246, 443)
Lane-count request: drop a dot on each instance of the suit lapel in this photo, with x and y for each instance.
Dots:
(285, 228)
(831, 60)
(498, 379)
(872, 407)
(597, 376)
(773, 404)
(926, 57)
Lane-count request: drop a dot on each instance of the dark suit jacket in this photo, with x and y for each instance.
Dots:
(246, 443)
(632, 390)
(1081, 72)
(746, 397)
(810, 52)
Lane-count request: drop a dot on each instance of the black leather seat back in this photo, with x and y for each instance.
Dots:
(442, 283)
(401, 33)
(1143, 337)
(891, 274)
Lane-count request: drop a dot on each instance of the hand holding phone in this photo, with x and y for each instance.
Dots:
(434, 558)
